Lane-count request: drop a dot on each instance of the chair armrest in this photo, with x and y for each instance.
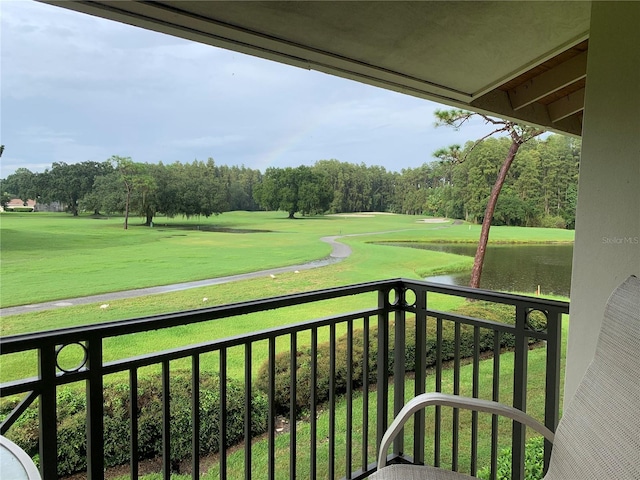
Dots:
(444, 399)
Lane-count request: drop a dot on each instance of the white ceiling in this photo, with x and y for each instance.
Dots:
(465, 54)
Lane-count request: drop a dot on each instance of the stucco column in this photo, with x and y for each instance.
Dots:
(607, 245)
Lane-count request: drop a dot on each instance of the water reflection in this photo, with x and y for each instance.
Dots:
(514, 268)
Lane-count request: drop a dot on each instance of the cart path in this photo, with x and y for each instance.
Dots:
(339, 251)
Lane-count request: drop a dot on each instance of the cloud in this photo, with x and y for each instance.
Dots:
(208, 141)
(77, 88)
(46, 135)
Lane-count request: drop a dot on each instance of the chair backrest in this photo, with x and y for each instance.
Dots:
(598, 436)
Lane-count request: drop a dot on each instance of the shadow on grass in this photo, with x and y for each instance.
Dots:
(204, 228)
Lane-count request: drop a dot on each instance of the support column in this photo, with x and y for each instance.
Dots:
(607, 246)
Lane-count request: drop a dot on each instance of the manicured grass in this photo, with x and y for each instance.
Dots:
(106, 242)
(467, 233)
(22, 365)
(56, 256)
(47, 256)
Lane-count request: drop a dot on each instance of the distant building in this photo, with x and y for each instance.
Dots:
(18, 204)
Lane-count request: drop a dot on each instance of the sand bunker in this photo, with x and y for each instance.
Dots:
(360, 214)
(433, 220)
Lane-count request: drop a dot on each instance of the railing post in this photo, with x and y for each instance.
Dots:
(455, 433)
(313, 400)
(95, 413)
(93, 370)
(332, 400)
(399, 347)
(519, 391)
(166, 420)
(133, 414)
(293, 368)
(195, 415)
(495, 396)
(271, 415)
(383, 374)
(421, 374)
(365, 395)
(349, 395)
(552, 382)
(248, 395)
(47, 413)
(222, 431)
(437, 428)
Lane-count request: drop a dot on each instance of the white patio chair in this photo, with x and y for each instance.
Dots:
(598, 436)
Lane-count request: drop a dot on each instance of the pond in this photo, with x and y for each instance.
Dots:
(513, 268)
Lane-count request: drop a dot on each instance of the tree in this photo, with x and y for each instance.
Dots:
(448, 158)
(519, 134)
(107, 194)
(528, 183)
(199, 189)
(156, 192)
(69, 183)
(4, 199)
(294, 190)
(356, 188)
(23, 184)
(128, 173)
(147, 189)
(381, 185)
(238, 184)
(441, 200)
(340, 180)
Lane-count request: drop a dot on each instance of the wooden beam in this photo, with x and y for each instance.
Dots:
(528, 66)
(550, 81)
(497, 104)
(566, 106)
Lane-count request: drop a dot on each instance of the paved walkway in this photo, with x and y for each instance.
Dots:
(339, 251)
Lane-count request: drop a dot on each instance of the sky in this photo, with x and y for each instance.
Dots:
(77, 88)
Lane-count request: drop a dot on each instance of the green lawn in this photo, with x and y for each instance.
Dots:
(55, 256)
(91, 256)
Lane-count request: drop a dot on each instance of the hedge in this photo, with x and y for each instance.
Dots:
(72, 403)
(72, 421)
(483, 310)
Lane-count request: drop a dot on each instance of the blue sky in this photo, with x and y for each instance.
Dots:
(77, 88)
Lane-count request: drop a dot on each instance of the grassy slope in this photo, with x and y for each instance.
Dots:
(106, 245)
(48, 258)
(53, 256)
(96, 255)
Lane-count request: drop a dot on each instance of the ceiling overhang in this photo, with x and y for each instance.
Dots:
(524, 61)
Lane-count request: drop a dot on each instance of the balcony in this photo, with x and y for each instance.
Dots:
(331, 430)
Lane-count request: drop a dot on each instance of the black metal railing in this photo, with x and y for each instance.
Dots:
(337, 438)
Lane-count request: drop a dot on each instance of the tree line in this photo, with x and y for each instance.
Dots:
(540, 188)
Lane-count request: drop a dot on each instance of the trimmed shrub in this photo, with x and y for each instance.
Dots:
(553, 221)
(533, 462)
(483, 310)
(72, 420)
